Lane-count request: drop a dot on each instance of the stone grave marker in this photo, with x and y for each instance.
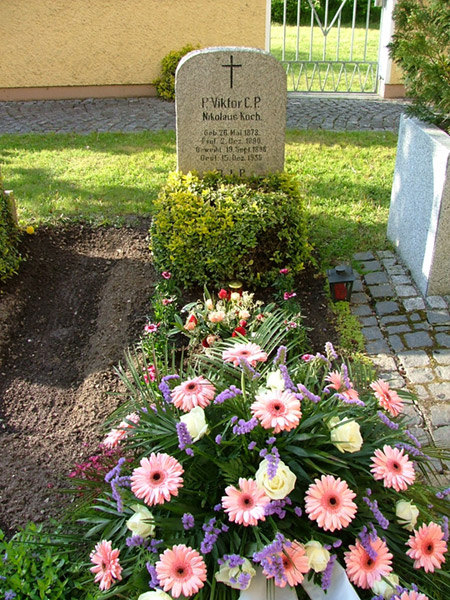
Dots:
(230, 111)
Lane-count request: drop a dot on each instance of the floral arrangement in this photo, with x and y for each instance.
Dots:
(256, 463)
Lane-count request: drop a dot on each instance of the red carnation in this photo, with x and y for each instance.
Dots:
(239, 330)
(223, 294)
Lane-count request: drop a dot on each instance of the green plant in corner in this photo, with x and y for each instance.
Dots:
(10, 258)
(165, 83)
(351, 339)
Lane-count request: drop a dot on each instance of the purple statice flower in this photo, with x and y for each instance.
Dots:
(252, 446)
(227, 394)
(276, 507)
(305, 393)
(366, 542)
(117, 481)
(380, 518)
(243, 580)
(326, 575)
(410, 449)
(280, 357)
(386, 420)
(273, 460)
(224, 528)
(184, 437)
(298, 511)
(135, 540)
(377, 597)
(154, 581)
(288, 383)
(413, 438)
(248, 370)
(165, 389)
(345, 377)
(234, 560)
(263, 453)
(9, 595)
(217, 507)
(271, 560)
(242, 427)
(153, 546)
(271, 441)
(218, 439)
(188, 521)
(337, 544)
(443, 494)
(348, 400)
(211, 534)
(445, 528)
(330, 352)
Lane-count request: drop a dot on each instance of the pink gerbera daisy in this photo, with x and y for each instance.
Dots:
(394, 467)
(388, 399)
(412, 595)
(157, 479)
(106, 564)
(181, 570)
(335, 380)
(245, 505)
(278, 410)
(364, 570)
(193, 392)
(329, 501)
(252, 353)
(427, 547)
(295, 565)
(115, 436)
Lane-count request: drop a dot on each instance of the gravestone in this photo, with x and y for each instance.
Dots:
(230, 111)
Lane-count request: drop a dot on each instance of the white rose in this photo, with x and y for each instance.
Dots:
(345, 435)
(195, 422)
(281, 485)
(406, 513)
(244, 314)
(386, 587)
(155, 595)
(141, 523)
(318, 556)
(226, 573)
(235, 297)
(209, 304)
(275, 381)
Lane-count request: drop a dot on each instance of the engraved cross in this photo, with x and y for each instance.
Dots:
(231, 66)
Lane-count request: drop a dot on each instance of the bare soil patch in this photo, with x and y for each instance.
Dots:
(79, 301)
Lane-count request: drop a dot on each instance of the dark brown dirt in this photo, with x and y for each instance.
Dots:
(79, 301)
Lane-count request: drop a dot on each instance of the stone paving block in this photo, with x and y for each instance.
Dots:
(384, 362)
(415, 317)
(395, 380)
(440, 391)
(357, 286)
(420, 375)
(418, 339)
(396, 343)
(384, 290)
(403, 328)
(368, 321)
(401, 280)
(385, 254)
(440, 414)
(436, 302)
(376, 278)
(442, 436)
(441, 328)
(364, 256)
(443, 339)
(393, 319)
(422, 392)
(371, 265)
(404, 291)
(386, 307)
(396, 270)
(360, 298)
(438, 316)
(377, 346)
(372, 333)
(442, 357)
(412, 414)
(411, 304)
(443, 372)
(422, 326)
(414, 358)
(361, 310)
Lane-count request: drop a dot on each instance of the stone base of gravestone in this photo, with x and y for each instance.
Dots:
(230, 111)
(419, 217)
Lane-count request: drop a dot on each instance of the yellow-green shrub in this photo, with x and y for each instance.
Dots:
(222, 227)
(9, 238)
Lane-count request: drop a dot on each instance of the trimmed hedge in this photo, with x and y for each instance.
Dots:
(10, 258)
(165, 83)
(221, 228)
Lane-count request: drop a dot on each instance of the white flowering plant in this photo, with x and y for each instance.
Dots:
(256, 462)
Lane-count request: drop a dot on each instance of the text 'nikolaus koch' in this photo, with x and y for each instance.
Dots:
(221, 102)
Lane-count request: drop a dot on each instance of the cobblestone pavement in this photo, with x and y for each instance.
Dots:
(318, 111)
(408, 339)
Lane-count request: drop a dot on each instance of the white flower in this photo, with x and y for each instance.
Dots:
(155, 595)
(387, 586)
(275, 381)
(244, 314)
(279, 486)
(209, 304)
(406, 513)
(345, 435)
(226, 573)
(195, 422)
(141, 523)
(235, 297)
(318, 556)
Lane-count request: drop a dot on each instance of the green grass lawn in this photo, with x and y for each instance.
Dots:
(102, 178)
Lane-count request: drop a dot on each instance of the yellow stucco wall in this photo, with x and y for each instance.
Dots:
(114, 42)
